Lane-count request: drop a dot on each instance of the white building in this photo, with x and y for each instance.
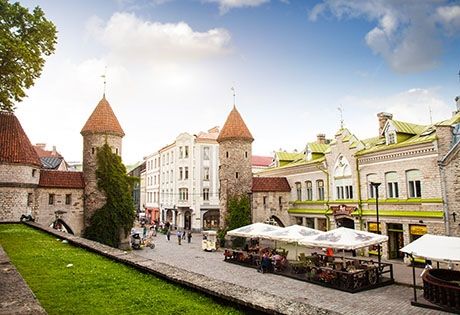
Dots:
(182, 182)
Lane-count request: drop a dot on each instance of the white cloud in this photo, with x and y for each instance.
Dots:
(226, 5)
(408, 34)
(131, 39)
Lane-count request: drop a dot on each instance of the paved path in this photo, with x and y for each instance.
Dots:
(393, 299)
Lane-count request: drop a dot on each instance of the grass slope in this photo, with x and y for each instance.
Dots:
(94, 284)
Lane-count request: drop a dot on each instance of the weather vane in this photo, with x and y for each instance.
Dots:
(104, 76)
(234, 95)
(340, 109)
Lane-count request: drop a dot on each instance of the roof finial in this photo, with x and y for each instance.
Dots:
(431, 116)
(233, 89)
(340, 109)
(104, 76)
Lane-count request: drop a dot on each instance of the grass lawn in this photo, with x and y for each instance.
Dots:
(94, 284)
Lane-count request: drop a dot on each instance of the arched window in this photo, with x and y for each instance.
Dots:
(371, 178)
(342, 179)
(298, 188)
(320, 187)
(309, 190)
(391, 180)
(414, 183)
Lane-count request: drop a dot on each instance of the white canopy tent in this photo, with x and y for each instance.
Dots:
(260, 230)
(435, 247)
(292, 233)
(344, 238)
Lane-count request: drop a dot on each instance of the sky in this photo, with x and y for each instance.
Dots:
(170, 66)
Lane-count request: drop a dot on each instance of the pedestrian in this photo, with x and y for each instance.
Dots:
(189, 236)
(168, 234)
(183, 235)
(179, 237)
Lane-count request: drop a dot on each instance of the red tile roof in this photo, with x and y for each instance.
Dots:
(279, 184)
(45, 153)
(235, 128)
(15, 147)
(61, 179)
(103, 120)
(261, 160)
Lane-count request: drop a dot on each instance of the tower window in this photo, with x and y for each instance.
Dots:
(236, 174)
(227, 154)
(246, 154)
(29, 199)
(51, 199)
(34, 171)
(116, 150)
(92, 150)
(68, 199)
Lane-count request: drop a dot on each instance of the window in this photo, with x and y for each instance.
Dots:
(186, 152)
(206, 153)
(349, 192)
(391, 138)
(181, 153)
(167, 158)
(298, 187)
(265, 202)
(51, 199)
(344, 192)
(92, 150)
(186, 172)
(320, 186)
(68, 199)
(180, 173)
(34, 172)
(308, 184)
(414, 184)
(236, 174)
(391, 179)
(183, 194)
(205, 194)
(246, 154)
(116, 151)
(206, 173)
(371, 178)
(280, 202)
(29, 199)
(226, 153)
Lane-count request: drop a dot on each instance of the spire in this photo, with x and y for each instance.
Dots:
(103, 120)
(234, 128)
(15, 146)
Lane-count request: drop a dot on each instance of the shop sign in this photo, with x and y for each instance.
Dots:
(342, 210)
(418, 229)
(372, 227)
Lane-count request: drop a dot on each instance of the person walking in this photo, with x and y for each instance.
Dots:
(168, 234)
(179, 237)
(189, 236)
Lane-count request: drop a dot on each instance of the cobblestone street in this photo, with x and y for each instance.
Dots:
(393, 299)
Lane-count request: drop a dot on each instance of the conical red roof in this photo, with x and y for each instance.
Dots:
(15, 147)
(235, 128)
(103, 120)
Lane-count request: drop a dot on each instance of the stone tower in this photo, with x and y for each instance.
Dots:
(235, 153)
(102, 126)
(19, 170)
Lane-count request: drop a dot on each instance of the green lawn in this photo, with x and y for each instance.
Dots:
(94, 284)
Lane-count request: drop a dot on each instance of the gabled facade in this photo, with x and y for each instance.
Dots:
(331, 185)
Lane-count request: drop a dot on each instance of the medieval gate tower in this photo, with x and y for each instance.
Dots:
(102, 126)
(235, 153)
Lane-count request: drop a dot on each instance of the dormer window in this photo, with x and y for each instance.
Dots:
(391, 137)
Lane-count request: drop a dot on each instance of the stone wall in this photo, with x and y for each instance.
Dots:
(71, 214)
(452, 183)
(95, 199)
(235, 172)
(272, 208)
(16, 182)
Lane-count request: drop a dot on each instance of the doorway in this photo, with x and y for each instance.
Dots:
(187, 220)
(345, 222)
(395, 240)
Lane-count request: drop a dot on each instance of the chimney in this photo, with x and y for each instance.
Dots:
(41, 145)
(321, 138)
(457, 102)
(54, 150)
(383, 117)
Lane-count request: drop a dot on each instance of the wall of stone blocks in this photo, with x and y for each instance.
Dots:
(261, 212)
(23, 174)
(73, 214)
(13, 203)
(452, 184)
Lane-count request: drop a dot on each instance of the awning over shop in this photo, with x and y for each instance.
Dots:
(292, 233)
(344, 238)
(254, 230)
(435, 247)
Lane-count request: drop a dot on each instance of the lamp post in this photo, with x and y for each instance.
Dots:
(376, 187)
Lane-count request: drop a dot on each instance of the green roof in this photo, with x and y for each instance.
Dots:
(405, 127)
(288, 156)
(452, 121)
(294, 163)
(318, 147)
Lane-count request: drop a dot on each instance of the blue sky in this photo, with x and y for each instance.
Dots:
(171, 64)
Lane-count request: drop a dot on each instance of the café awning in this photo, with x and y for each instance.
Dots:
(254, 230)
(344, 238)
(435, 247)
(292, 233)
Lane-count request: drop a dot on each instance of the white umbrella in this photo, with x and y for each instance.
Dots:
(435, 247)
(344, 238)
(260, 230)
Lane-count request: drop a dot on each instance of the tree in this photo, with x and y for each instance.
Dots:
(238, 215)
(25, 38)
(118, 213)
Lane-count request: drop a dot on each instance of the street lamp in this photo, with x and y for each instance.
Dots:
(376, 187)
